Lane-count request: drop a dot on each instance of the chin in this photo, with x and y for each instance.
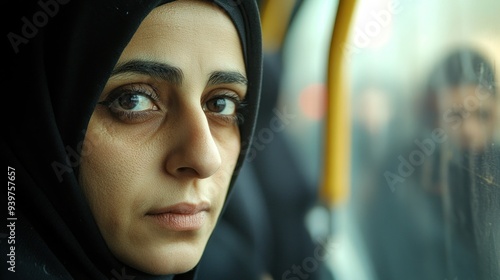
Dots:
(177, 259)
(164, 268)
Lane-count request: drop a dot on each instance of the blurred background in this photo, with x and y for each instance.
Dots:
(377, 150)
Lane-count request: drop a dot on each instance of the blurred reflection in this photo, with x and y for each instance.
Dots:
(463, 88)
(425, 189)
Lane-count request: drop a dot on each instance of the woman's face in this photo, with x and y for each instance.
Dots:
(469, 116)
(162, 143)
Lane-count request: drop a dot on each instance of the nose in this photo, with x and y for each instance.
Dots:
(195, 153)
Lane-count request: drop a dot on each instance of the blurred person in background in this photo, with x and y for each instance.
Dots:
(466, 174)
(434, 212)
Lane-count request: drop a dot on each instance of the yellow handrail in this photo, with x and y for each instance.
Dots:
(336, 172)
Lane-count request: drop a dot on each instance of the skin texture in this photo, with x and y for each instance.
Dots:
(469, 114)
(176, 149)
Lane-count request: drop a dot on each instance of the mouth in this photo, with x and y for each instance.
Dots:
(180, 217)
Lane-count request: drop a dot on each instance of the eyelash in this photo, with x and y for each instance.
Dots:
(239, 117)
(136, 116)
(130, 89)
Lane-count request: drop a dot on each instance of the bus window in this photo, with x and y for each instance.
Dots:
(425, 115)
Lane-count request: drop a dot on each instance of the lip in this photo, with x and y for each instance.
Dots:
(180, 217)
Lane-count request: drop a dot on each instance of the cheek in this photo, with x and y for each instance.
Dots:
(229, 144)
(107, 175)
(229, 148)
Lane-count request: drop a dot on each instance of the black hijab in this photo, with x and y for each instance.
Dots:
(60, 55)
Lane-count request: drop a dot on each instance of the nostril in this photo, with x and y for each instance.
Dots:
(186, 171)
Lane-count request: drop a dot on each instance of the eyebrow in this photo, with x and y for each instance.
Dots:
(159, 70)
(174, 75)
(226, 77)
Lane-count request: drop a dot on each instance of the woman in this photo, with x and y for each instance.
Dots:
(140, 111)
(463, 91)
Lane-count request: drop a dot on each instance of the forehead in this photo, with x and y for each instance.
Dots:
(189, 15)
(188, 34)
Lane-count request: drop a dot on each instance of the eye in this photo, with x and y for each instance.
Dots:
(222, 105)
(226, 107)
(132, 102)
